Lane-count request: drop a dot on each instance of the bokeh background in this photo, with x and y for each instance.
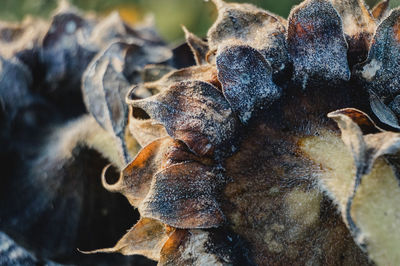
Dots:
(196, 15)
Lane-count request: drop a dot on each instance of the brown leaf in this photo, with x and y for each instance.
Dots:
(246, 79)
(146, 238)
(315, 37)
(194, 112)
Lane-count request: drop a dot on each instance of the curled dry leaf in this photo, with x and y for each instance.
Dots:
(104, 88)
(316, 43)
(363, 182)
(135, 179)
(194, 112)
(246, 91)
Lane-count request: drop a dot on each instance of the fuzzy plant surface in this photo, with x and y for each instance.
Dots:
(272, 141)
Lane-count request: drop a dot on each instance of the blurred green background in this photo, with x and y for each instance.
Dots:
(196, 15)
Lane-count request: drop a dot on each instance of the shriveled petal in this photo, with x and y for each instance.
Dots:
(206, 73)
(104, 88)
(64, 52)
(22, 37)
(143, 129)
(246, 79)
(376, 194)
(146, 238)
(15, 81)
(358, 25)
(194, 112)
(316, 43)
(153, 72)
(381, 10)
(185, 195)
(383, 112)
(249, 25)
(135, 179)
(198, 47)
(380, 73)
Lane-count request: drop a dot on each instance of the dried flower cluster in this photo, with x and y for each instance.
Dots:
(254, 150)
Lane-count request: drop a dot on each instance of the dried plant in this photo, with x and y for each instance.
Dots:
(274, 142)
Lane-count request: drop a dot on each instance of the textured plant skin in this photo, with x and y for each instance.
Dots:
(270, 142)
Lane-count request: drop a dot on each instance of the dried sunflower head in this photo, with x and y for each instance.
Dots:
(242, 141)
(259, 153)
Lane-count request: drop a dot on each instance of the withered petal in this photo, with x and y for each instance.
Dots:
(144, 130)
(364, 149)
(135, 179)
(248, 25)
(381, 9)
(146, 238)
(380, 73)
(184, 195)
(194, 112)
(375, 194)
(15, 81)
(153, 72)
(358, 26)
(104, 88)
(383, 112)
(206, 73)
(246, 79)
(316, 43)
(65, 52)
(198, 47)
